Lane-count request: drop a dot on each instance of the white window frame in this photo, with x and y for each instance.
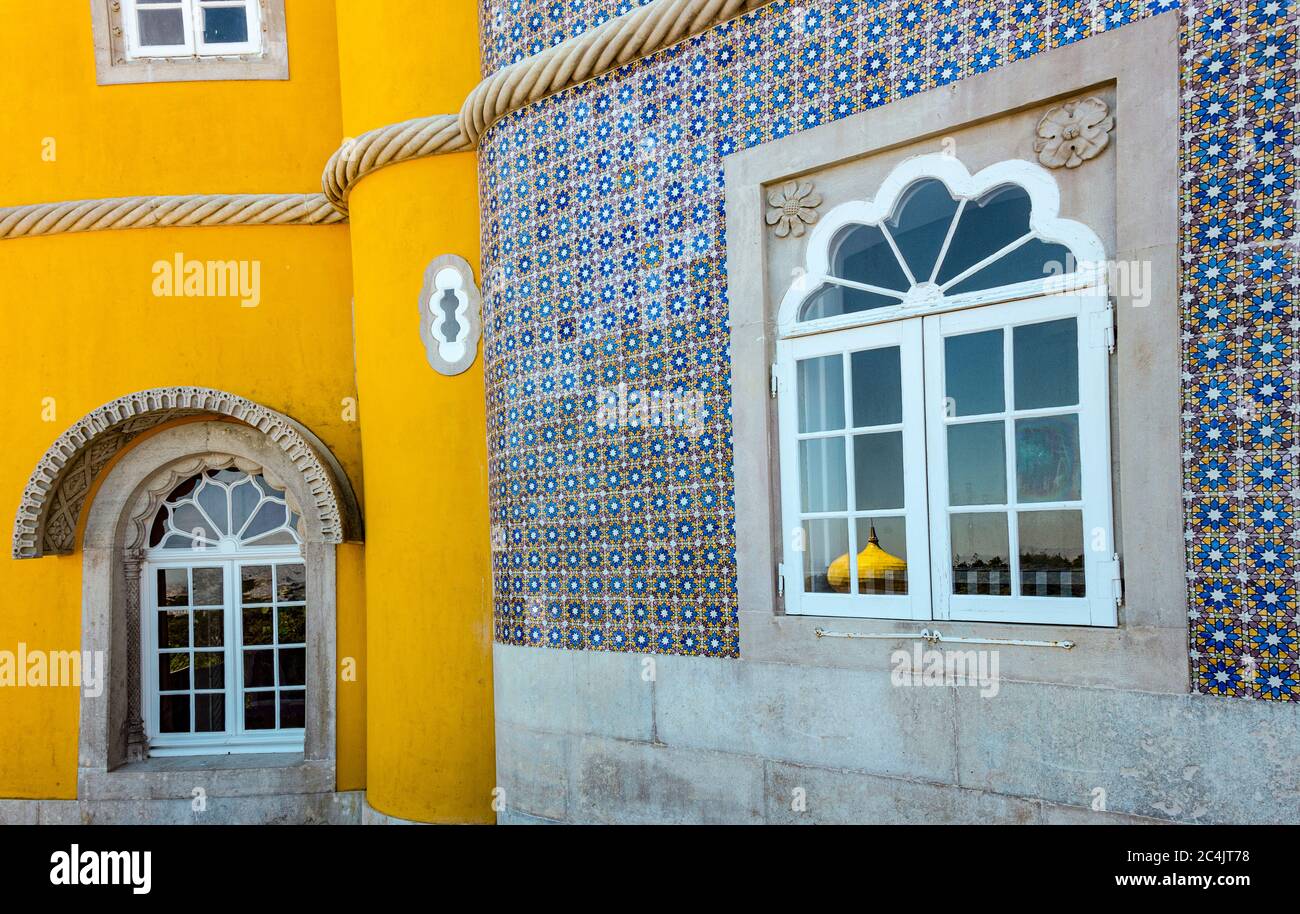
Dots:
(236, 739)
(192, 18)
(918, 325)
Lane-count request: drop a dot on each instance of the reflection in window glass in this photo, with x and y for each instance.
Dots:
(877, 387)
(824, 483)
(1046, 364)
(1047, 459)
(861, 253)
(821, 393)
(981, 554)
(1051, 553)
(920, 225)
(824, 541)
(832, 301)
(977, 464)
(987, 225)
(878, 471)
(973, 374)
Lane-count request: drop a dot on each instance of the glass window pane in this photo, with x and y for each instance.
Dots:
(973, 382)
(210, 713)
(291, 583)
(821, 393)
(212, 499)
(1034, 259)
(256, 583)
(825, 543)
(1051, 553)
(268, 517)
(293, 709)
(987, 225)
(259, 668)
(209, 586)
(225, 25)
(244, 499)
(173, 587)
(877, 387)
(293, 624)
(860, 253)
(209, 628)
(161, 28)
(173, 672)
(878, 471)
(823, 482)
(882, 561)
(921, 223)
(293, 666)
(257, 626)
(209, 669)
(1046, 364)
(980, 554)
(174, 714)
(1047, 459)
(832, 301)
(174, 629)
(977, 464)
(259, 710)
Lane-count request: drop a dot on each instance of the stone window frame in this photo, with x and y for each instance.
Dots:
(112, 752)
(114, 67)
(1148, 650)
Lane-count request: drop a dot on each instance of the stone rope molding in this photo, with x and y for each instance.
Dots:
(166, 212)
(616, 42)
(51, 505)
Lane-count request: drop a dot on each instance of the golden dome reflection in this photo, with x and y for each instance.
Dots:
(878, 571)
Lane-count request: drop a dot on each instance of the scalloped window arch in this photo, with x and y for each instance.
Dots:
(936, 237)
(943, 405)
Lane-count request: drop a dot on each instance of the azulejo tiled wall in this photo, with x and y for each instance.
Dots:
(514, 29)
(604, 266)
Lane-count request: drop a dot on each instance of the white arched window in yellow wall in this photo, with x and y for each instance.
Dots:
(224, 605)
(945, 445)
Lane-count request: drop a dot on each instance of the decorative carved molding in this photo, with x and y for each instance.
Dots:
(450, 317)
(1070, 134)
(52, 501)
(793, 205)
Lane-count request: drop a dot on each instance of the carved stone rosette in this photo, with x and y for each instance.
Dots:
(1070, 134)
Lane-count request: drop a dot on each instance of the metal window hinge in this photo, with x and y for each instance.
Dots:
(1103, 327)
(773, 380)
(780, 582)
(1114, 572)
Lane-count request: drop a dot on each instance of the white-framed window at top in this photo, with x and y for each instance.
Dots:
(191, 28)
(943, 411)
(224, 619)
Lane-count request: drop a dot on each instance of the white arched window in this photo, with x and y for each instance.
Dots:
(225, 616)
(945, 445)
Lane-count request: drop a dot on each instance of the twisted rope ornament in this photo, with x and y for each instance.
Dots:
(165, 212)
(636, 34)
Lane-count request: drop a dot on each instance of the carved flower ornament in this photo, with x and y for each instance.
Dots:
(793, 207)
(1070, 134)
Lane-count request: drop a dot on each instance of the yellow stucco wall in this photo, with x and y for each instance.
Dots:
(82, 326)
(430, 752)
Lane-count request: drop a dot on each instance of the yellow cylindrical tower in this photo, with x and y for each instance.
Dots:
(429, 747)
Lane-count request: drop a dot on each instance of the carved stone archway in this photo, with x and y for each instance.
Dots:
(56, 492)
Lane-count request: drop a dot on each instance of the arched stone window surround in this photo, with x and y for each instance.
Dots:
(56, 492)
(113, 550)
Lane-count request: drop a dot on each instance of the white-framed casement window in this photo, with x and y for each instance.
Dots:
(944, 418)
(191, 28)
(224, 606)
